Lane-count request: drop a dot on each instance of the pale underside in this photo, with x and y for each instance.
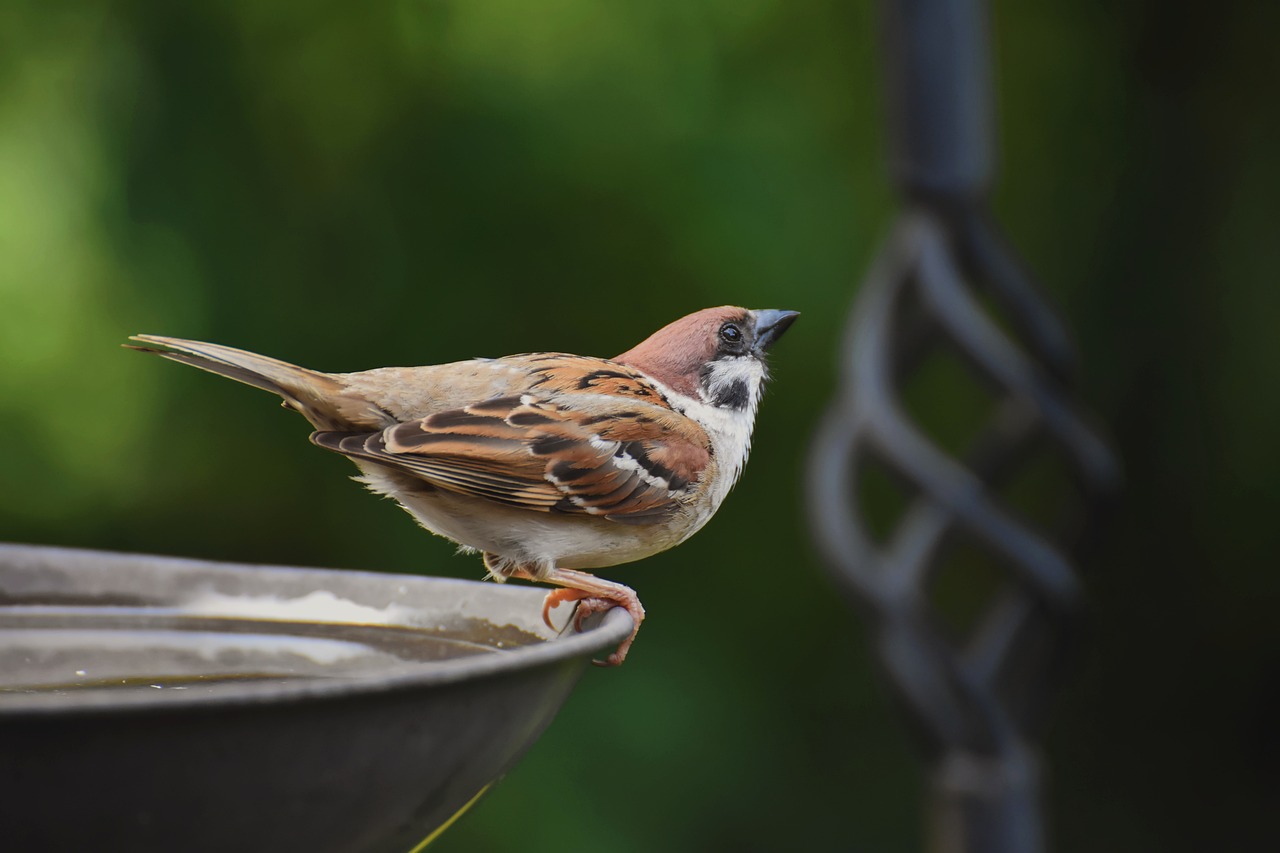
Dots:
(535, 540)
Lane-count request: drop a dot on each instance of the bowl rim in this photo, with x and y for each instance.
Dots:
(600, 632)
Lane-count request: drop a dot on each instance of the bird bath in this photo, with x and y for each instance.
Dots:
(151, 703)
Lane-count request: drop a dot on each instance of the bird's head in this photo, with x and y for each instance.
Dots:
(716, 355)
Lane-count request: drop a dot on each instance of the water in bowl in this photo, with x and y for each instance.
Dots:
(78, 649)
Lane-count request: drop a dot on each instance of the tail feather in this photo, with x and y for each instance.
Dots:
(318, 396)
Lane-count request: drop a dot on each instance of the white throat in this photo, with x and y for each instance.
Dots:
(729, 427)
(730, 433)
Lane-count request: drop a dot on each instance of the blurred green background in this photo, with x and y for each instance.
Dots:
(356, 185)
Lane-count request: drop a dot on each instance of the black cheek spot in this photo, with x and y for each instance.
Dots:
(735, 396)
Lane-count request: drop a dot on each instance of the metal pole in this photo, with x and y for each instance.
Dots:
(975, 704)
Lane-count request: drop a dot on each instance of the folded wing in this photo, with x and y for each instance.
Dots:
(633, 465)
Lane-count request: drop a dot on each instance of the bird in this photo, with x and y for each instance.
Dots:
(549, 464)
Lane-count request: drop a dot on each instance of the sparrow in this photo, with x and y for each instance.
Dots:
(547, 463)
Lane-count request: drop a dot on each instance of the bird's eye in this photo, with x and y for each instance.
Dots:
(730, 333)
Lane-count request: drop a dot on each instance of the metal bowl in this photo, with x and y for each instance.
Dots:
(159, 704)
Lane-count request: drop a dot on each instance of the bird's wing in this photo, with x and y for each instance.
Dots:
(612, 456)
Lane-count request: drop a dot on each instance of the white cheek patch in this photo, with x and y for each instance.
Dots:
(733, 383)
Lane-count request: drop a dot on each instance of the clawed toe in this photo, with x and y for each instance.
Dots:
(588, 607)
(553, 600)
(592, 595)
(631, 605)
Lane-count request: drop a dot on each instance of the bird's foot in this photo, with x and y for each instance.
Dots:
(594, 596)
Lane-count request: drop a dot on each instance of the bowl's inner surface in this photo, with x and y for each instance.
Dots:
(211, 642)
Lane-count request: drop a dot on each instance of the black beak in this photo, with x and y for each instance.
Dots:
(770, 324)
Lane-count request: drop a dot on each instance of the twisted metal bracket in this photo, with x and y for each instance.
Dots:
(975, 706)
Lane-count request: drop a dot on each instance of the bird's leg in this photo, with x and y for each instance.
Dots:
(593, 595)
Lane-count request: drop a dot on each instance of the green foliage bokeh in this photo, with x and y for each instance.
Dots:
(356, 185)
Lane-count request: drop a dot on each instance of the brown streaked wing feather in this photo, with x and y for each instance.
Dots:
(560, 373)
(455, 474)
(631, 466)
